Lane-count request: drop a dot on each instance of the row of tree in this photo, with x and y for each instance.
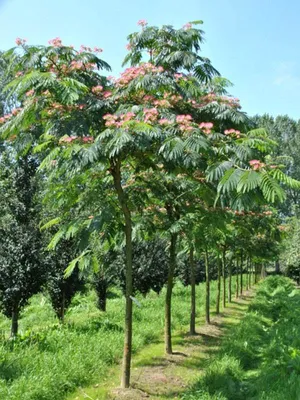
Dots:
(159, 164)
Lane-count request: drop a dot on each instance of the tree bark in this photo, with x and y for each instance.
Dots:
(277, 267)
(14, 323)
(102, 296)
(229, 281)
(236, 278)
(116, 172)
(207, 285)
(61, 314)
(168, 300)
(218, 287)
(241, 274)
(224, 276)
(193, 293)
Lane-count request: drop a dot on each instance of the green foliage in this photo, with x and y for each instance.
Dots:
(260, 358)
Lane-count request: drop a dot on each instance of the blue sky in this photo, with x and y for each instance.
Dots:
(254, 43)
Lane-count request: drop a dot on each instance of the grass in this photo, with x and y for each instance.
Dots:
(49, 361)
(260, 358)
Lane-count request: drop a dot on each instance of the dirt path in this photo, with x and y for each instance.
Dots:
(155, 376)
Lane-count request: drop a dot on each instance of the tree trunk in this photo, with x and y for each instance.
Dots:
(263, 272)
(241, 274)
(224, 276)
(218, 287)
(236, 278)
(193, 293)
(229, 281)
(255, 273)
(61, 314)
(207, 285)
(172, 264)
(277, 267)
(102, 296)
(247, 273)
(14, 323)
(116, 172)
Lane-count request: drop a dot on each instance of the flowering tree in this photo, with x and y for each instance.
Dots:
(100, 137)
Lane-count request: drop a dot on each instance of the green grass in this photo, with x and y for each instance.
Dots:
(48, 361)
(260, 358)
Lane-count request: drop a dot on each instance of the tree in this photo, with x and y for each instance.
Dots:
(21, 258)
(60, 288)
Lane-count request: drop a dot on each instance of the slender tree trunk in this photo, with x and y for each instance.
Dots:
(207, 285)
(277, 267)
(241, 274)
(247, 273)
(172, 264)
(224, 276)
(102, 296)
(218, 287)
(61, 315)
(236, 278)
(116, 172)
(14, 323)
(263, 272)
(193, 293)
(229, 281)
(255, 273)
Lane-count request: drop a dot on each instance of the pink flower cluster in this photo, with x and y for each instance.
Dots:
(142, 22)
(70, 139)
(128, 46)
(184, 122)
(162, 103)
(256, 164)
(165, 122)
(56, 42)
(206, 127)
(30, 93)
(232, 132)
(135, 72)
(187, 26)
(117, 121)
(7, 117)
(18, 74)
(151, 115)
(212, 97)
(20, 42)
(97, 89)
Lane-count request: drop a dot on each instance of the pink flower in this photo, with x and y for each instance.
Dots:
(128, 46)
(165, 122)
(187, 26)
(20, 42)
(88, 139)
(30, 93)
(18, 74)
(56, 42)
(98, 50)
(97, 89)
(142, 22)
(256, 164)
(107, 94)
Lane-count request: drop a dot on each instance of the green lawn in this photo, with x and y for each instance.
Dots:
(48, 361)
(260, 358)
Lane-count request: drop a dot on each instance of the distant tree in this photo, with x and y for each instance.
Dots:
(22, 270)
(62, 289)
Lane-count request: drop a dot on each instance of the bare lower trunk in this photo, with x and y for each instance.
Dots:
(193, 293)
(255, 273)
(61, 314)
(236, 279)
(247, 274)
(224, 277)
(218, 287)
(241, 275)
(116, 172)
(102, 297)
(263, 272)
(277, 267)
(172, 264)
(207, 285)
(229, 282)
(14, 324)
